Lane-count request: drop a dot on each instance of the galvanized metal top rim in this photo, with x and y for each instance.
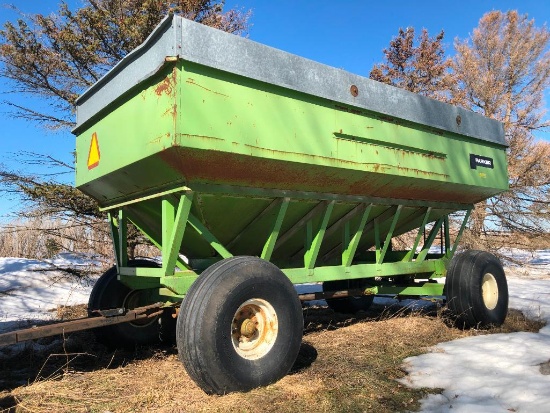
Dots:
(178, 37)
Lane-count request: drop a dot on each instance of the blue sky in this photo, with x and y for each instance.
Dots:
(346, 34)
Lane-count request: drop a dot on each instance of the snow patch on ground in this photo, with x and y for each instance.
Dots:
(499, 372)
(31, 290)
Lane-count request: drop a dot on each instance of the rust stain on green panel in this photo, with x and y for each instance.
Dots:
(168, 85)
(192, 82)
(342, 163)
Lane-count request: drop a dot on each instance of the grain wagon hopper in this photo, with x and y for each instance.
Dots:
(253, 170)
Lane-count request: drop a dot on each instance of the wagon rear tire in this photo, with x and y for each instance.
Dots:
(108, 293)
(240, 326)
(348, 305)
(476, 290)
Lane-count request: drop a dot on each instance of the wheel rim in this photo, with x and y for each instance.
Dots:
(254, 329)
(133, 300)
(489, 291)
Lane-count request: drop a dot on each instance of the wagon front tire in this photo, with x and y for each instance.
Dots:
(476, 290)
(240, 326)
(109, 293)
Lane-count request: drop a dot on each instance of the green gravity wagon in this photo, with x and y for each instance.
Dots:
(254, 170)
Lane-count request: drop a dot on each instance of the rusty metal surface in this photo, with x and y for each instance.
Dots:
(105, 318)
(333, 294)
(197, 167)
(254, 329)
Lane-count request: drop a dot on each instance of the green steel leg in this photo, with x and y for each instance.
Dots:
(277, 202)
(359, 209)
(123, 237)
(179, 263)
(113, 226)
(119, 235)
(407, 221)
(387, 214)
(317, 209)
(335, 227)
(350, 247)
(310, 256)
(174, 220)
(346, 238)
(308, 240)
(208, 236)
(387, 242)
(427, 245)
(447, 235)
(377, 238)
(272, 240)
(410, 255)
(460, 232)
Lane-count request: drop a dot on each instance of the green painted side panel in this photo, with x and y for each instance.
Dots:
(130, 138)
(324, 146)
(192, 124)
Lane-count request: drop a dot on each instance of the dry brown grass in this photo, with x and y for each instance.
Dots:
(345, 364)
(495, 242)
(44, 237)
(70, 312)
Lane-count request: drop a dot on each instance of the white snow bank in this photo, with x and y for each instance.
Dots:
(31, 290)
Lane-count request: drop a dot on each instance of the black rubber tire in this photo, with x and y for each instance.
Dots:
(109, 293)
(348, 305)
(464, 290)
(205, 325)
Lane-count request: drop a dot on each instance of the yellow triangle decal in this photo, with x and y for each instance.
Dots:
(93, 155)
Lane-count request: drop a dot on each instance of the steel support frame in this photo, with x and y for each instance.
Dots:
(167, 283)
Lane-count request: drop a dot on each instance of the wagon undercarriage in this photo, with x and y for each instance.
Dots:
(323, 237)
